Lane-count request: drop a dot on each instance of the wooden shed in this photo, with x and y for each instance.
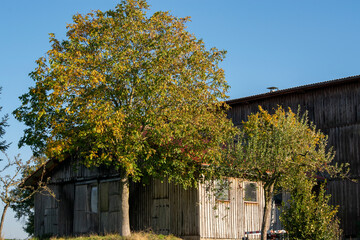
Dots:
(334, 107)
(88, 201)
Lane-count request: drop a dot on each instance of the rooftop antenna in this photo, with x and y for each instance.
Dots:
(273, 89)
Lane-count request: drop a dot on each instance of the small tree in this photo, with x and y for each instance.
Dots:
(279, 150)
(308, 215)
(130, 91)
(25, 209)
(12, 186)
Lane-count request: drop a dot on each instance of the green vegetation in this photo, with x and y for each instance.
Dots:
(23, 208)
(309, 216)
(132, 91)
(280, 150)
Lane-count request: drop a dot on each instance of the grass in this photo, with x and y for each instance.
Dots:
(134, 236)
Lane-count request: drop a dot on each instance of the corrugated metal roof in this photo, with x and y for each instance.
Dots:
(295, 89)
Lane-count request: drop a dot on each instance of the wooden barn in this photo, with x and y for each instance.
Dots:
(88, 201)
(334, 107)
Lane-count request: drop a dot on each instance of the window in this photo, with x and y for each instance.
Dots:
(222, 190)
(94, 199)
(278, 199)
(104, 196)
(250, 192)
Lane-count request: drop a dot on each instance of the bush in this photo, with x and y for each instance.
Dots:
(309, 216)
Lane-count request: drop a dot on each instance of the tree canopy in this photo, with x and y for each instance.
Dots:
(277, 147)
(129, 90)
(124, 87)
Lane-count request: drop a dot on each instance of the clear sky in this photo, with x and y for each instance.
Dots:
(278, 43)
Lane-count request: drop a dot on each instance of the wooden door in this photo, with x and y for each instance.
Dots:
(160, 216)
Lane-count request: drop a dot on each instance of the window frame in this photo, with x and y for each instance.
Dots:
(219, 186)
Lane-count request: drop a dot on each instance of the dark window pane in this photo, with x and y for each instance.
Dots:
(250, 192)
(104, 197)
(278, 199)
(94, 199)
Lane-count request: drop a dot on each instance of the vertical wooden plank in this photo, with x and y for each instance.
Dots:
(66, 209)
(104, 207)
(81, 206)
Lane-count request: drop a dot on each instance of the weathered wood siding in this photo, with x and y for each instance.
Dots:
(70, 212)
(346, 195)
(110, 206)
(165, 208)
(66, 209)
(85, 221)
(162, 207)
(70, 171)
(229, 219)
(335, 109)
(46, 214)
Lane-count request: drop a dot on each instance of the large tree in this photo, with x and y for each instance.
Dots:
(129, 90)
(279, 150)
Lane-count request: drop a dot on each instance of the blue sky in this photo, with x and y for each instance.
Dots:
(278, 43)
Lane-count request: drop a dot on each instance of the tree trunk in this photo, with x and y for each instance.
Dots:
(125, 223)
(2, 220)
(268, 193)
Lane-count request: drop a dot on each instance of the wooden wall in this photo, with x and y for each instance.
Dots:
(70, 171)
(46, 214)
(165, 208)
(334, 109)
(110, 206)
(162, 207)
(70, 212)
(229, 219)
(158, 206)
(54, 216)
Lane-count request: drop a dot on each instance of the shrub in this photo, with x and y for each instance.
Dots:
(309, 216)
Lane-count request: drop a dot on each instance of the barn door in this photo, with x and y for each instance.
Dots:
(66, 209)
(86, 209)
(160, 211)
(161, 216)
(51, 213)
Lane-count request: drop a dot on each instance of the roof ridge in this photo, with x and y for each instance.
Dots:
(295, 89)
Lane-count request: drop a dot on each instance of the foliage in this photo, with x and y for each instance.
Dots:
(136, 92)
(309, 216)
(24, 209)
(281, 147)
(3, 124)
(279, 150)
